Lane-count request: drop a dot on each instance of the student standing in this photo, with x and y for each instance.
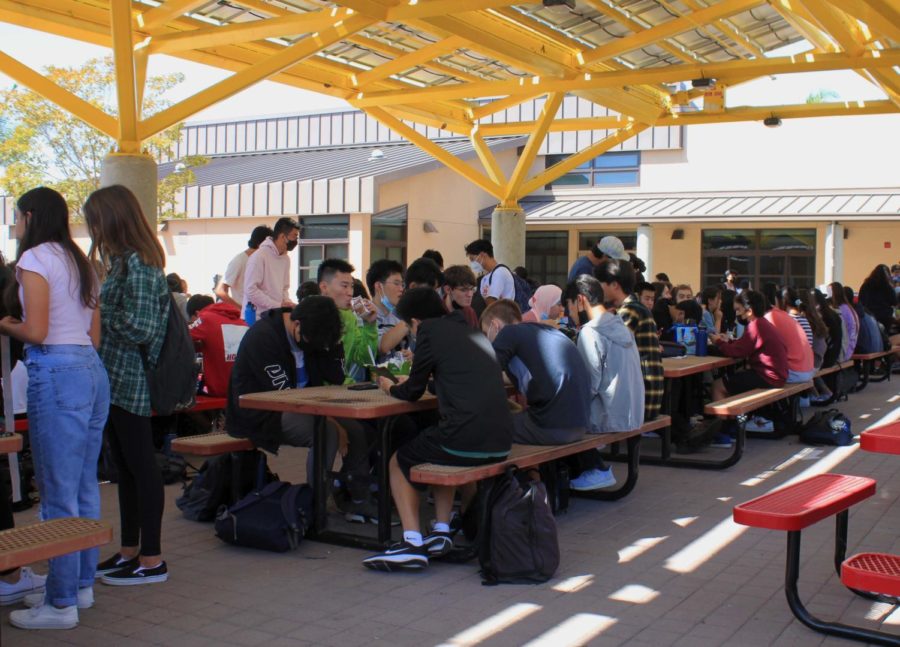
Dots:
(134, 307)
(231, 288)
(68, 393)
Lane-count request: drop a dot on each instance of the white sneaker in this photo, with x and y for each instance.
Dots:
(45, 616)
(85, 598)
(29, 582)
(593, 480)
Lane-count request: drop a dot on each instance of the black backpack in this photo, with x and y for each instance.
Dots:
(274, 518)
(829, 427)
(519, 543)
(212, 486)
(173, 380)
(524, 291)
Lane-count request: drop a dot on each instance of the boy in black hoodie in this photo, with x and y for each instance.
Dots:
(475, 425)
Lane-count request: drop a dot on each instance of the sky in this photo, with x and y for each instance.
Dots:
(39, 49)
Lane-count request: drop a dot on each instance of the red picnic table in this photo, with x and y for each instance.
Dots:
(884, 439)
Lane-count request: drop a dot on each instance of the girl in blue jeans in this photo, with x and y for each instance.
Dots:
(68, 393)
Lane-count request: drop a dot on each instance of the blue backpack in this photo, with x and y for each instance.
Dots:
(523, 290)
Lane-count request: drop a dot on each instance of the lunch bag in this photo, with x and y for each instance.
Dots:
(519, 543)
(274, 518)
(829, 427)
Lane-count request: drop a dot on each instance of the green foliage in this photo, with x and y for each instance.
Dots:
(822, 96)
(41, 143)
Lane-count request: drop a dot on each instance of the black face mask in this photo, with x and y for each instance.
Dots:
(291, 245)
(583, 318)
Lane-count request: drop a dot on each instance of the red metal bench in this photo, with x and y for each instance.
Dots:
(799, 506)
(884, 439)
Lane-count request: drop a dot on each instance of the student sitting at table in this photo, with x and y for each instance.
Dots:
(287, 349)
(424, 273)
(711, 302)
(458, 289)
(760, 344)
(616, 396)
(545, 366)
(475, 426)
(800, 360)
(646, 294)
(217, 330)
(385, 280)
(359, 333)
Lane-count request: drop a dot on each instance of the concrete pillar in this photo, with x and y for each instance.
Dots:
(834, 253)
(644, 249)
(136, 172)
(508, 235)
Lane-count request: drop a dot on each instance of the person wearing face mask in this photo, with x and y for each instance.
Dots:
(385, 281)
(761, 345)
(496, 280)
(545, 306)
(267, 279)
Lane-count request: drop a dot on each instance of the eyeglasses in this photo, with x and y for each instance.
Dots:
(398, 284)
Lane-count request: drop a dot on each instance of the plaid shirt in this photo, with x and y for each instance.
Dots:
(134, 307)
(640, 322)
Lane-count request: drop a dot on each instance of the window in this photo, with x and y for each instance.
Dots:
(546, 255)
(320, 238)
(389, 235)
(782, 256)
(610, 169)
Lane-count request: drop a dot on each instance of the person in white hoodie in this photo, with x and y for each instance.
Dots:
(267, 279)
(610, 351)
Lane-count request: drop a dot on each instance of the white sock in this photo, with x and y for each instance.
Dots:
(412, 537)
(441, 527)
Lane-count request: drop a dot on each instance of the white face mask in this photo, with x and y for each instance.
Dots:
(476, 267)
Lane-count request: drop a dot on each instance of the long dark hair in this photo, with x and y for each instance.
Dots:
(48, 222)
(838, 296)
(118, 226)
(879, 279)
(809, 310)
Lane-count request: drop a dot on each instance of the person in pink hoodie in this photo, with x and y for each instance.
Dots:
(267, 279)
(800, 359)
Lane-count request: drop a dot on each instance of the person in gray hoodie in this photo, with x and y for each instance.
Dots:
(609, 350)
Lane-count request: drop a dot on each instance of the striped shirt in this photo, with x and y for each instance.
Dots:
(804, 323)
(640, 323)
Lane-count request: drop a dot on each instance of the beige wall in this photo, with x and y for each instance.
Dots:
(865, 248)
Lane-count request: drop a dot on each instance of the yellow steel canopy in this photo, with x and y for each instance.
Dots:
(451, 63)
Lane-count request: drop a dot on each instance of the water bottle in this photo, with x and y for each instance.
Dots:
(702, 340)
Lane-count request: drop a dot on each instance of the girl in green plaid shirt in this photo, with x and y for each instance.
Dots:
(134, 306)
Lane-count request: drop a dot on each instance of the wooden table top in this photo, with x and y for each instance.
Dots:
(884, 439)
(336, 401)
(691, 364)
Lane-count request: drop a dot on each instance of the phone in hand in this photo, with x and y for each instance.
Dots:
(362, 386)
(380, 371)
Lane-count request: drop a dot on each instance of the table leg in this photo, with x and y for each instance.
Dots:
(634, 464)
(319, 477)
(384, 483)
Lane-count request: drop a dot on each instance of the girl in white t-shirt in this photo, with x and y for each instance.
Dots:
(68, 393)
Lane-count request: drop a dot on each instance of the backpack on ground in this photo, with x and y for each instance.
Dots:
(213, 485)
(524, 292)
(829, 427)
(173, 379)
(518, 537)
(274, 518)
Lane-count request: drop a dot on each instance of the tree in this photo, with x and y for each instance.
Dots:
(822, 96)
(40, 143)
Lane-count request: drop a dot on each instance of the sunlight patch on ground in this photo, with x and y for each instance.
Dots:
(893, 619)
(684, 522)
(864, 416)
(879, 610)
(762, 476)
(493, 625)
(635, 593)
(577, 630)
(890, 416)
(893, 398)
(724, 499)
(573, 584)
(638, 548)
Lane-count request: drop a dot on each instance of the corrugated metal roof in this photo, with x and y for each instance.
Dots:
(329, 163)
(879, 204)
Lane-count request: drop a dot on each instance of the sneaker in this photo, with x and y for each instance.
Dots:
(821, 400)
(115, 563)
(137, 575)
(804, 402)
(29, 582)
(399, 557)
(45, 616)
(361, 511)
(85, 598)
(722, 440)
(438, 544)
(593, 480)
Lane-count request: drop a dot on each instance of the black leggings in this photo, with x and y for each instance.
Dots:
(140, 482)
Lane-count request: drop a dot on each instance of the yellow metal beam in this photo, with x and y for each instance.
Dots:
(558, 125)
(809, 30)
(561, 168)
(400, 12)
(729, 30)
(67, 24)
(807, 62)
(799, 111)
(535, 139)
(154, 18)
(407, 61)
(126, 88)
(243, 32)
(396, 52)
(703, 29)
(284, 59)
(497, 105)
(882, 18)
(487, 157)
(87, 112)
(674, 27)
(449, 160)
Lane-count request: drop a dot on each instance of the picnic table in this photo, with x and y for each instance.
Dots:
(340, 402)
(884, 439)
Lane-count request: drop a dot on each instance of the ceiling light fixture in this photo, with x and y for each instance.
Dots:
(772, 122)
